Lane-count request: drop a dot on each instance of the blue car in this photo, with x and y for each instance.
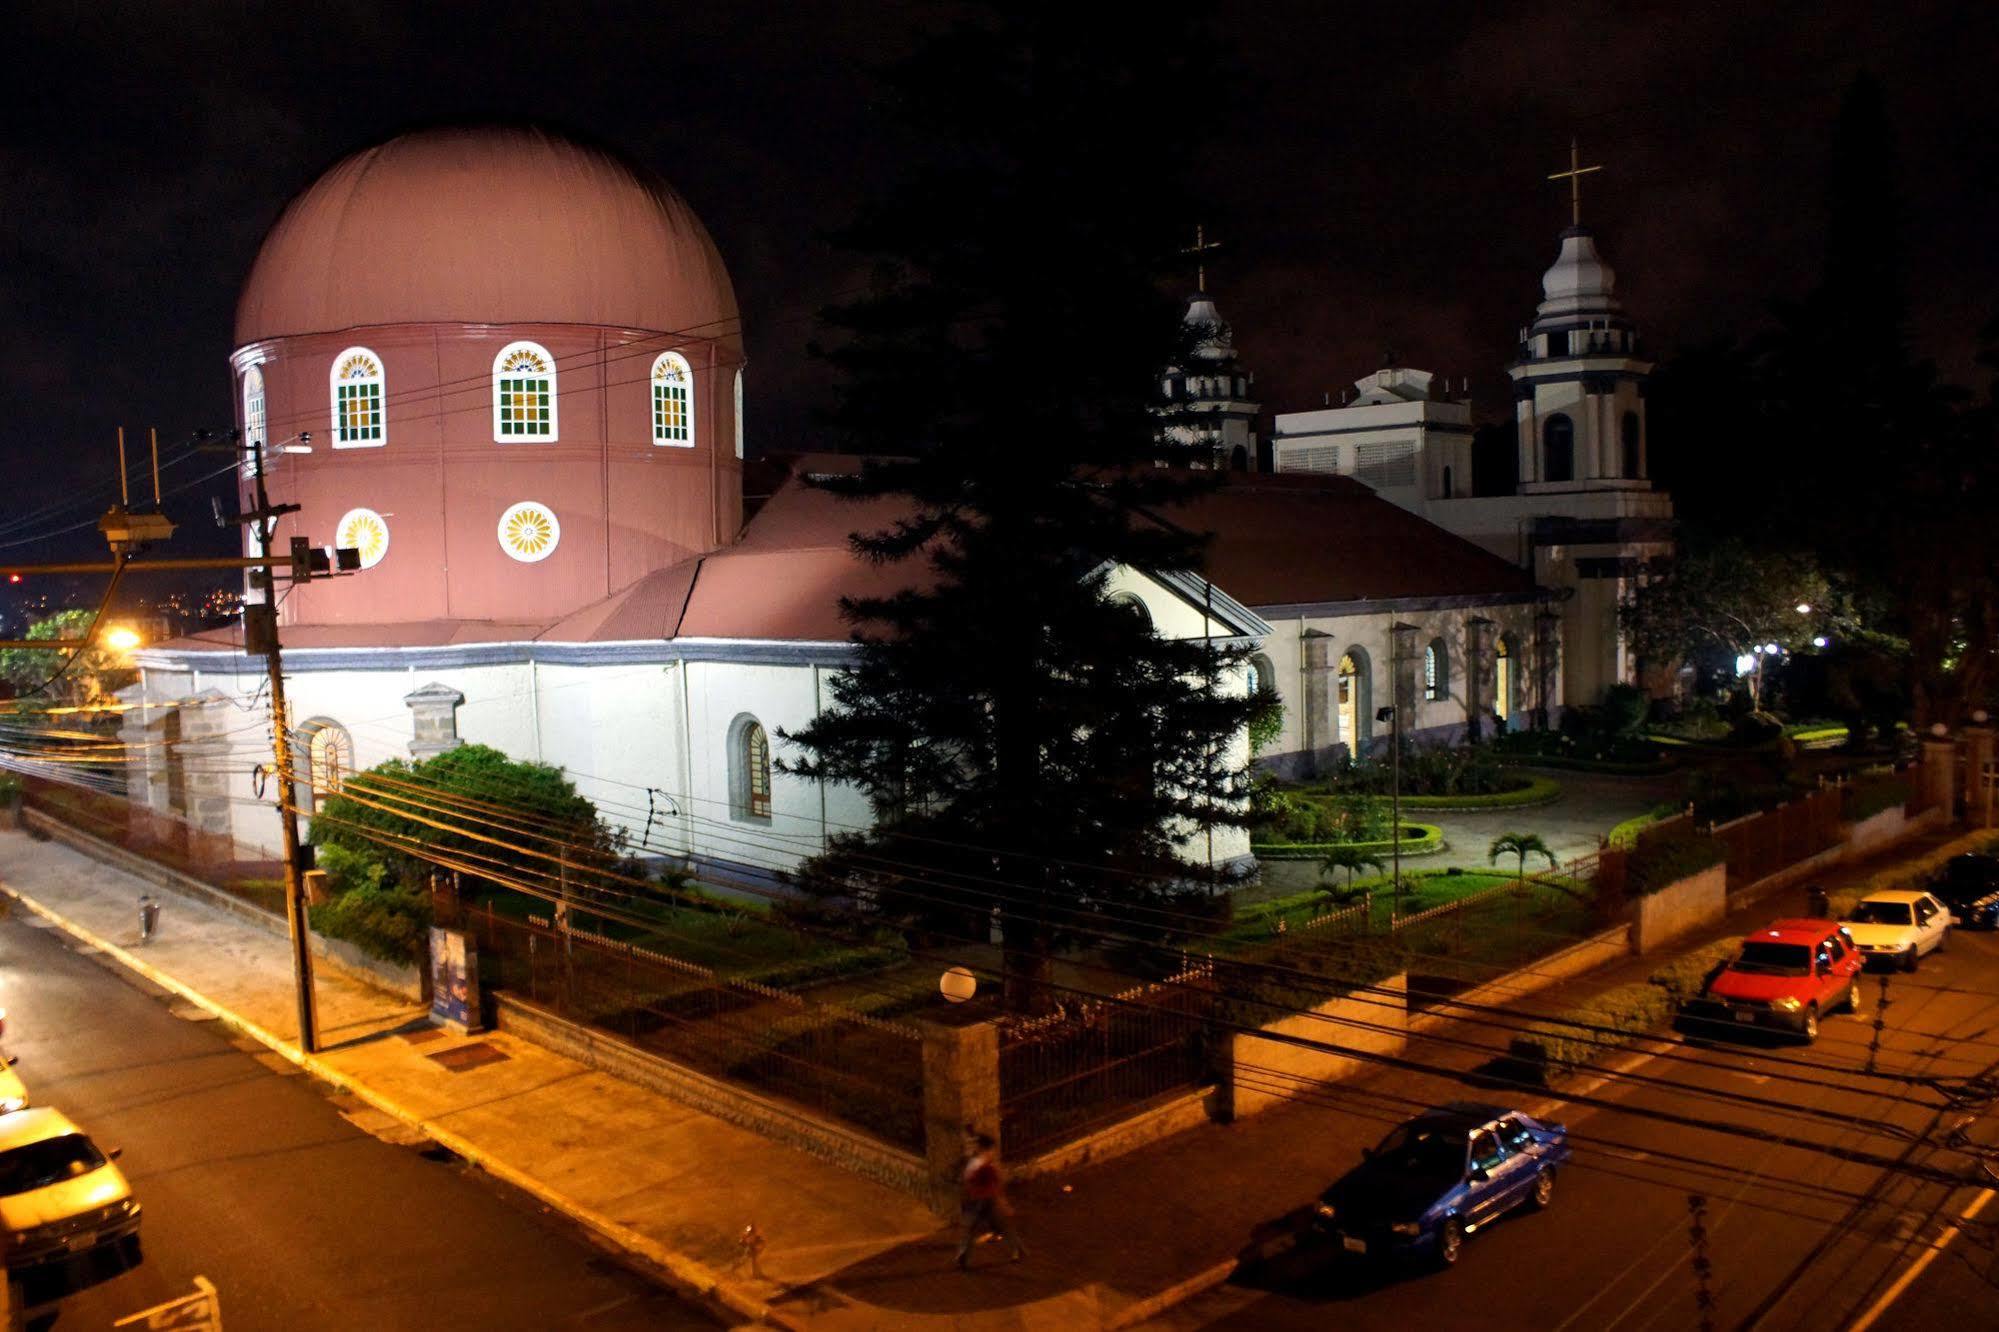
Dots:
(1969, 886)
(1440, 1177)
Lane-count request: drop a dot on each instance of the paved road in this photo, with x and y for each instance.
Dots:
(253, 1178)
(1798, 1237)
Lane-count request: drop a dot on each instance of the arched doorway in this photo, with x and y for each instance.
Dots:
(1502, 681)
(1352, 698)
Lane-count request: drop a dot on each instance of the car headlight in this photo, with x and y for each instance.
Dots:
(1411, 1229)
(13, 1103)
(1787, 1005)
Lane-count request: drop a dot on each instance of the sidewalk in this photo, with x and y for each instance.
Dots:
(1110, 1243)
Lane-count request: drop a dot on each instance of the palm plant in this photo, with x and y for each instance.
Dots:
(1521, 845)
(1351, 859)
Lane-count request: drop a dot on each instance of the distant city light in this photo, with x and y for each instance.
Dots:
(13, 578)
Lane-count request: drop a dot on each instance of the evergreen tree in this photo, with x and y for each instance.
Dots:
(1029, 745)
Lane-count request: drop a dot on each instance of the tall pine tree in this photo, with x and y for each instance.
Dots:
(1028, 744)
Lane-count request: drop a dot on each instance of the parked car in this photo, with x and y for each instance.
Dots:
(1969, 886)
(13, 1094)
(1787, 975)
(60, 1197)
(1899, 927)
(1439, 1178)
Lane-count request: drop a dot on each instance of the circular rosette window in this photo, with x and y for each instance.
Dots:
(529, 531)
(366, 531)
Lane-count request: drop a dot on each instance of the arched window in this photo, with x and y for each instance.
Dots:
(357, 400)
(750, 757)
(329, 761)
(1239, 460)
(739, 413)
(1353, 701)
(1447, 483)
(1436, 672)
(1262, 676)
(1502, 680)
(1558, 449)
(253, 416)
(1629, 438)
(672, 401)
(523, 394)
(1129, 603)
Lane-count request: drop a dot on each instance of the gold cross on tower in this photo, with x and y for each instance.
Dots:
(1201, 246)
(1574, 175)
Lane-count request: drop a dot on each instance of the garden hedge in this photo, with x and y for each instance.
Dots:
(1537, 790)
(1684, 977)
(1559, 1044)
(1418, 839)
(1667, 859)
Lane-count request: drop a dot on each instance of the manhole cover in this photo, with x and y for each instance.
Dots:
(468, 1056)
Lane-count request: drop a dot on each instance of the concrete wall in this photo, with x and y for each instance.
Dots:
(786, 1123)
(1875, 830)
(1679, 909)
(1268, 1072)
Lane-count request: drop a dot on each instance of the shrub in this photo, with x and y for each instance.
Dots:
(10, 789)
(389, 923)
(1559, 1043)
(1625, 834)
(1683, 978)
(348, 868)
(1624, 709)
(1870, 795)
(1668, 858)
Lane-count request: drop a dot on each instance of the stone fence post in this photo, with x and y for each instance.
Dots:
(1940, 775)
(961, 1090)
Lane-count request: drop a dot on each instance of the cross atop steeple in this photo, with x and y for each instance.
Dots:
(1574, 175)
(1201, 246)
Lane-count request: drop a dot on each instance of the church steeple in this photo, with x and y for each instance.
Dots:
(1578, 378)
(1209, 414)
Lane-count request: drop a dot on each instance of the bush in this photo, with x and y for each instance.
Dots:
(392, 924)
(1582, 743)
(1427, 770)
(1625, 834)
(1684, 978)
(1660, 861)
(348, 868)
(1870, 795)
(1624, 709)
(10, 789)
(1558, 1044)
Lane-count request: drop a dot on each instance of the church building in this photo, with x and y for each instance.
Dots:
(508, 370)
(1583, 517)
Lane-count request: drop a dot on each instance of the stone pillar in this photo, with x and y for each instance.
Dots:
(961, 1091)
(1981, 801)
(1940, 775)
(1547, 665)
(1402, 658)
(1478, 675)
(204, 754)
(1320, 726)
(434, 718)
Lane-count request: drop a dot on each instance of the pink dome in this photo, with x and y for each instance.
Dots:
(486, 226)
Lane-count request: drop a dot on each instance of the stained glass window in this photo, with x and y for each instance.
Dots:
(672, 401)
(253, 417)
(357, 400)
(523, 393)
(756, 771)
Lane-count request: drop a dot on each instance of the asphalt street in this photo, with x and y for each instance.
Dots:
(1798, 1235)
(274, 1189)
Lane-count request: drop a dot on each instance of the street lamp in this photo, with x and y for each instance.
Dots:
(1393, 717)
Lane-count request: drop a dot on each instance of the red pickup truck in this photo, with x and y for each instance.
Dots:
(1786, 976)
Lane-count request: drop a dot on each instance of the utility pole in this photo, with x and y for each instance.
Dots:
(261, 629)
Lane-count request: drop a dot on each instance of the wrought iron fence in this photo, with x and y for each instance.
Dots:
(865, 1071)
(1066, 1073)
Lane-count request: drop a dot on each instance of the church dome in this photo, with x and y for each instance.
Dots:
(486, 226)
(1579, 281)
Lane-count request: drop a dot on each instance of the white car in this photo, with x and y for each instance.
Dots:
(1899, 927)
(60, 1197)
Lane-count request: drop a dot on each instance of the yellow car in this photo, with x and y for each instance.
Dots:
(60, 1197)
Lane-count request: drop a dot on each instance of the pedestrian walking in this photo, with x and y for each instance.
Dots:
(983, 1208)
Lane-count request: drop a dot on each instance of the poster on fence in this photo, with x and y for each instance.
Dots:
(454, 979)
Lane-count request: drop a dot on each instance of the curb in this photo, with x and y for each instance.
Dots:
(689, 1274)
(1138, 1311)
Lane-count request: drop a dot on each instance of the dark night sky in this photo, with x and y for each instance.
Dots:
(1377, 177)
